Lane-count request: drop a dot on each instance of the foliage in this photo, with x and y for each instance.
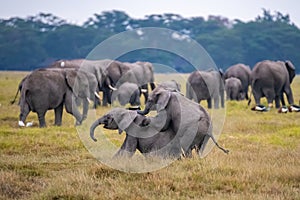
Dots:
(35, 41)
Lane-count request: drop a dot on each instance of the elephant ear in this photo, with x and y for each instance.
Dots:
(163, 99)
(124, 118)
(70, 78)
(291, 70)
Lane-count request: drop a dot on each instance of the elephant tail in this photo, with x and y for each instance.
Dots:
(14, 100)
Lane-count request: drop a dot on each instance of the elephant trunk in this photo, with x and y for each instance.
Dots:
(93, 127)
(146, 110)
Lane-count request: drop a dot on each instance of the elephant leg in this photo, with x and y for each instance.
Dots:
(209, 103)
(72, 109)
(58, 114)
(41, 117)
(277, 101)
(216, 102)
(282, 100)
(85, 108)
(106, 97)
(289, 95)
(23, 113)
(128, 148)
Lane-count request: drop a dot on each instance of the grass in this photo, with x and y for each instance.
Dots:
(53, 163)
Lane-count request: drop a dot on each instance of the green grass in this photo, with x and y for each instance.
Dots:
(53, 163)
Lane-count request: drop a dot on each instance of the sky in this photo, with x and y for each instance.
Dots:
(77, 12)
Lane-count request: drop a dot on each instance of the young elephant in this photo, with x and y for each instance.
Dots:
(190, 122)
(233, 88)
(139, 135)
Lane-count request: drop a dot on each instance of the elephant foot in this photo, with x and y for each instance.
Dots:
(283, 109)
(22, 124)
(260, 108)
(294, 108)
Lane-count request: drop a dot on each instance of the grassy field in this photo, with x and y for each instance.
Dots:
(53, 163)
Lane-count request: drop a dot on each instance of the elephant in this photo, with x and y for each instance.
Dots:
(46, 89)
(206, 85)
(127, 93)
(139, 135)
(140, 73)
(271, 79)
(233, 88)
(171, 84)
(99, 68)
(189, 121)
(242, 72)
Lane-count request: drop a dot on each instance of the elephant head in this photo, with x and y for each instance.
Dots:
(121, 119)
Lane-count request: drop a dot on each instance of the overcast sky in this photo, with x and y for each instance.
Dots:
(79, 11)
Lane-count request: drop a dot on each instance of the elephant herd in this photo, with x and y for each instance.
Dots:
(181, 124)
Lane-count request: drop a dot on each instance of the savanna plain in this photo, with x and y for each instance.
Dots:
(53, 163)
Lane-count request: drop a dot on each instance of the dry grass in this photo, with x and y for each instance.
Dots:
(52, 163)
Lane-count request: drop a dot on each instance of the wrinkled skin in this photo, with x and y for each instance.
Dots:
(242, 72)
(47, 89)
(203, 85)
(271, 79)
(127, 93)
(139, 135)
(188, 120)
(233, 88)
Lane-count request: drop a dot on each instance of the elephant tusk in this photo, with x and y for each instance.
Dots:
(88, 100)
(97, 95)
(144, 90)
(112, 88)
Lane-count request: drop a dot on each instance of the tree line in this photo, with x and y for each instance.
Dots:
(36, 41)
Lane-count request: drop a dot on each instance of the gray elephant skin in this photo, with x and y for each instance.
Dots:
(99, 68)
(206, 85)
(188, 120)
(139, 135)
(127, 93)
(140, 73)
(234, 89)
(46, 89)
(271, 79)
(172, 84)
(242, 72)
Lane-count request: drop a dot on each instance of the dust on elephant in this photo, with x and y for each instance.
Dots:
(190, 121)
(242, 72)
(127, 93)
(46, 89)
(206, 85)
(139, 135)
(233, 88)
(271, 79)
